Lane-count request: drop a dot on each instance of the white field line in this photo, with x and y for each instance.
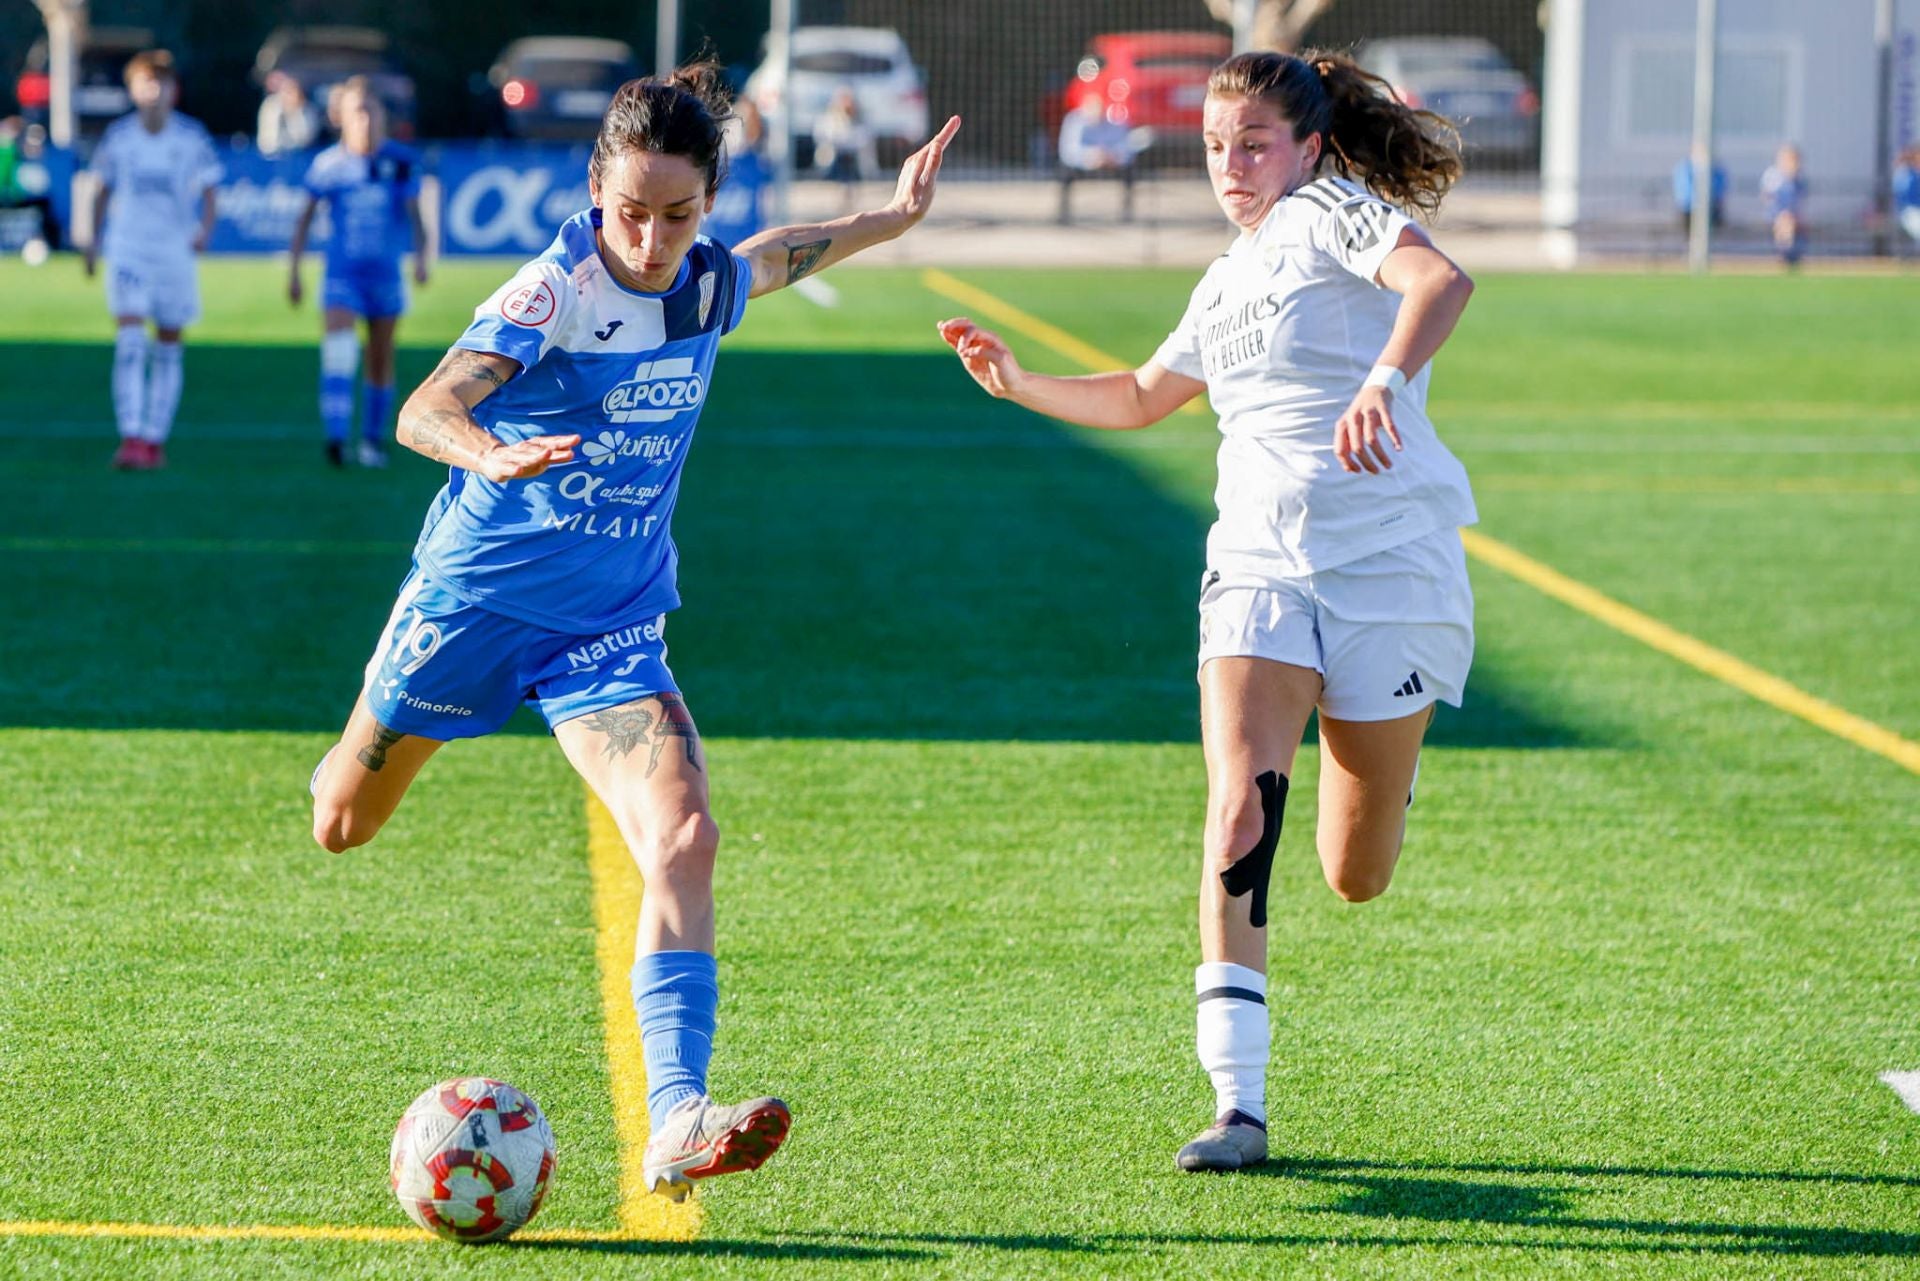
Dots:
(1906, 1085)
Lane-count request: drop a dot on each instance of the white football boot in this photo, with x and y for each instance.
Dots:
(1233, 1142)
(700, 1139)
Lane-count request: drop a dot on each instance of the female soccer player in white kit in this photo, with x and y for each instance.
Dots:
(1335, 576)
(157, 171)
(547, 566)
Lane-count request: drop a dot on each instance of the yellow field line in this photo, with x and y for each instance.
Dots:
(1716, 663)
(266, 1232)
(1768, 485)
(1007, 316)
(616, 913)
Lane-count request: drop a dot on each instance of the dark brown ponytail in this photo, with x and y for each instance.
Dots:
(1403, 155)
(680, 115)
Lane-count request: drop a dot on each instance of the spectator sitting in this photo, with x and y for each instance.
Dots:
(24, 183)
(1094, 145)
(1785, 189)
(288, 121)
(843, 145)
(1906, 192)
(1683, 193)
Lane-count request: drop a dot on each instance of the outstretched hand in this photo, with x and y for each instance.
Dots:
(986, 358)
(527, 457)
(913, 195)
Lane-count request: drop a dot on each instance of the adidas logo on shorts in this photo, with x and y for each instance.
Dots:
(1410, 687)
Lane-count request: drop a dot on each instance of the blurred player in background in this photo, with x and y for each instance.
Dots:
(547, 566)
(1335, 576)
(371, 186)
(1784, 187)
(152, 214)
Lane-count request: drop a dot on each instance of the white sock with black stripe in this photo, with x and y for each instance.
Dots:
(1233, 1037)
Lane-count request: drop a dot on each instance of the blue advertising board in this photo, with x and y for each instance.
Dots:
(504, 198)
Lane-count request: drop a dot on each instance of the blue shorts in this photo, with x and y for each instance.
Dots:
(446, 669)
(373, 290)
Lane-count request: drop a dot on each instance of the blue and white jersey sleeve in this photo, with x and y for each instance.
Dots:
(523, 317)
(739, 287)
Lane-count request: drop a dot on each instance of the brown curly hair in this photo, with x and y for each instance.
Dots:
(1402, 154)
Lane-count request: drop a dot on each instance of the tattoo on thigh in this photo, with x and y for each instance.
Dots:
(374, 754)
(675, 722)
(625, 728)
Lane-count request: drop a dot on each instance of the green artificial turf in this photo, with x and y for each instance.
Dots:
(1621, 1014)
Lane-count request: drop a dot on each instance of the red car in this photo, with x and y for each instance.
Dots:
(1148, 79)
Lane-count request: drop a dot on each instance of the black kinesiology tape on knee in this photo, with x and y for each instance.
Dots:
(1252, 870)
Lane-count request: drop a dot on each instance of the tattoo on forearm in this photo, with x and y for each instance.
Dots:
(374, 754)
(436, 434)
(802, 259)
(625, 728)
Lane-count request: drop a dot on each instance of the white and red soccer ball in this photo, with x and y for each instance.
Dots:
(472, 1159)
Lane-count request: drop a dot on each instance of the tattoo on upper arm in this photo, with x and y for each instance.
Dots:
(374, 754)
(802, 259)
(459, 366)
(628, 727)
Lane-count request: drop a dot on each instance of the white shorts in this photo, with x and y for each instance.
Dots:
(165, 291)
(1389, 633)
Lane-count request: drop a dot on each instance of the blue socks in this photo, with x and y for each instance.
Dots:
(676, 996)
(375, 409)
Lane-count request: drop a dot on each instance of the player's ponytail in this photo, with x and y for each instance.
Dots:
(680, 115)
(1405, 155)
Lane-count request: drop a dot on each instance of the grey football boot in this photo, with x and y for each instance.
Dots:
(1233, 1142)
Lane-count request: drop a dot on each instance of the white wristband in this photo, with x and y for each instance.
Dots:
(1386, 376)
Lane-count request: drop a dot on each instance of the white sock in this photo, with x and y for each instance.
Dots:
(129, 379)
(1234, 1039)
(163, 390)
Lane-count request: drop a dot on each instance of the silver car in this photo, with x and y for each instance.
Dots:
(888, 89)
(1470, 82)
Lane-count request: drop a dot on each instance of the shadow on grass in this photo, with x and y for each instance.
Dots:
(1380, 1190)
(790, 1251)
(870, 549)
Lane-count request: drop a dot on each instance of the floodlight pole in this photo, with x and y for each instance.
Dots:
(780, 127)
(1244, 12)
(666, 37)
(66, 21)
(1883, 23)
(1705, 47)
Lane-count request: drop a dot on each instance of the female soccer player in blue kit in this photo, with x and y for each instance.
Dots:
(546, 568)
(372, 187)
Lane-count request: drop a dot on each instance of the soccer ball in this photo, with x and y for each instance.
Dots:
(471, 1159)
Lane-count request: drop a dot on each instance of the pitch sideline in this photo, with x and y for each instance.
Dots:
(1649, 631)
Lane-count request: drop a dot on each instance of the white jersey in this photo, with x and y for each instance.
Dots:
(1283, 329)
(157, 180)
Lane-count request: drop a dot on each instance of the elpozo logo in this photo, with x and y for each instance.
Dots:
(657, 391)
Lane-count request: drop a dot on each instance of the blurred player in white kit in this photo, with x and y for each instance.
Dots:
(152, 215)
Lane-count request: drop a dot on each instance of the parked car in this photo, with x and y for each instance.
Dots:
(889, 90)
(557, 87)
(1153, 81)
(100, 93)
(321, 57)
(1469, 81)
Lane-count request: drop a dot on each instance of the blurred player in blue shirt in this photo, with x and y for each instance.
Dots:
(1784, 185)
(371, 187)
(546, 566)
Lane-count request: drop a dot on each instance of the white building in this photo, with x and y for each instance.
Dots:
(1618, 110)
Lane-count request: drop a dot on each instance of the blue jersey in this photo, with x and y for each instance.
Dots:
(367, 200)
(585, 547)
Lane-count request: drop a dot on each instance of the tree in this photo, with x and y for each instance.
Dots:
(1277, 24)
